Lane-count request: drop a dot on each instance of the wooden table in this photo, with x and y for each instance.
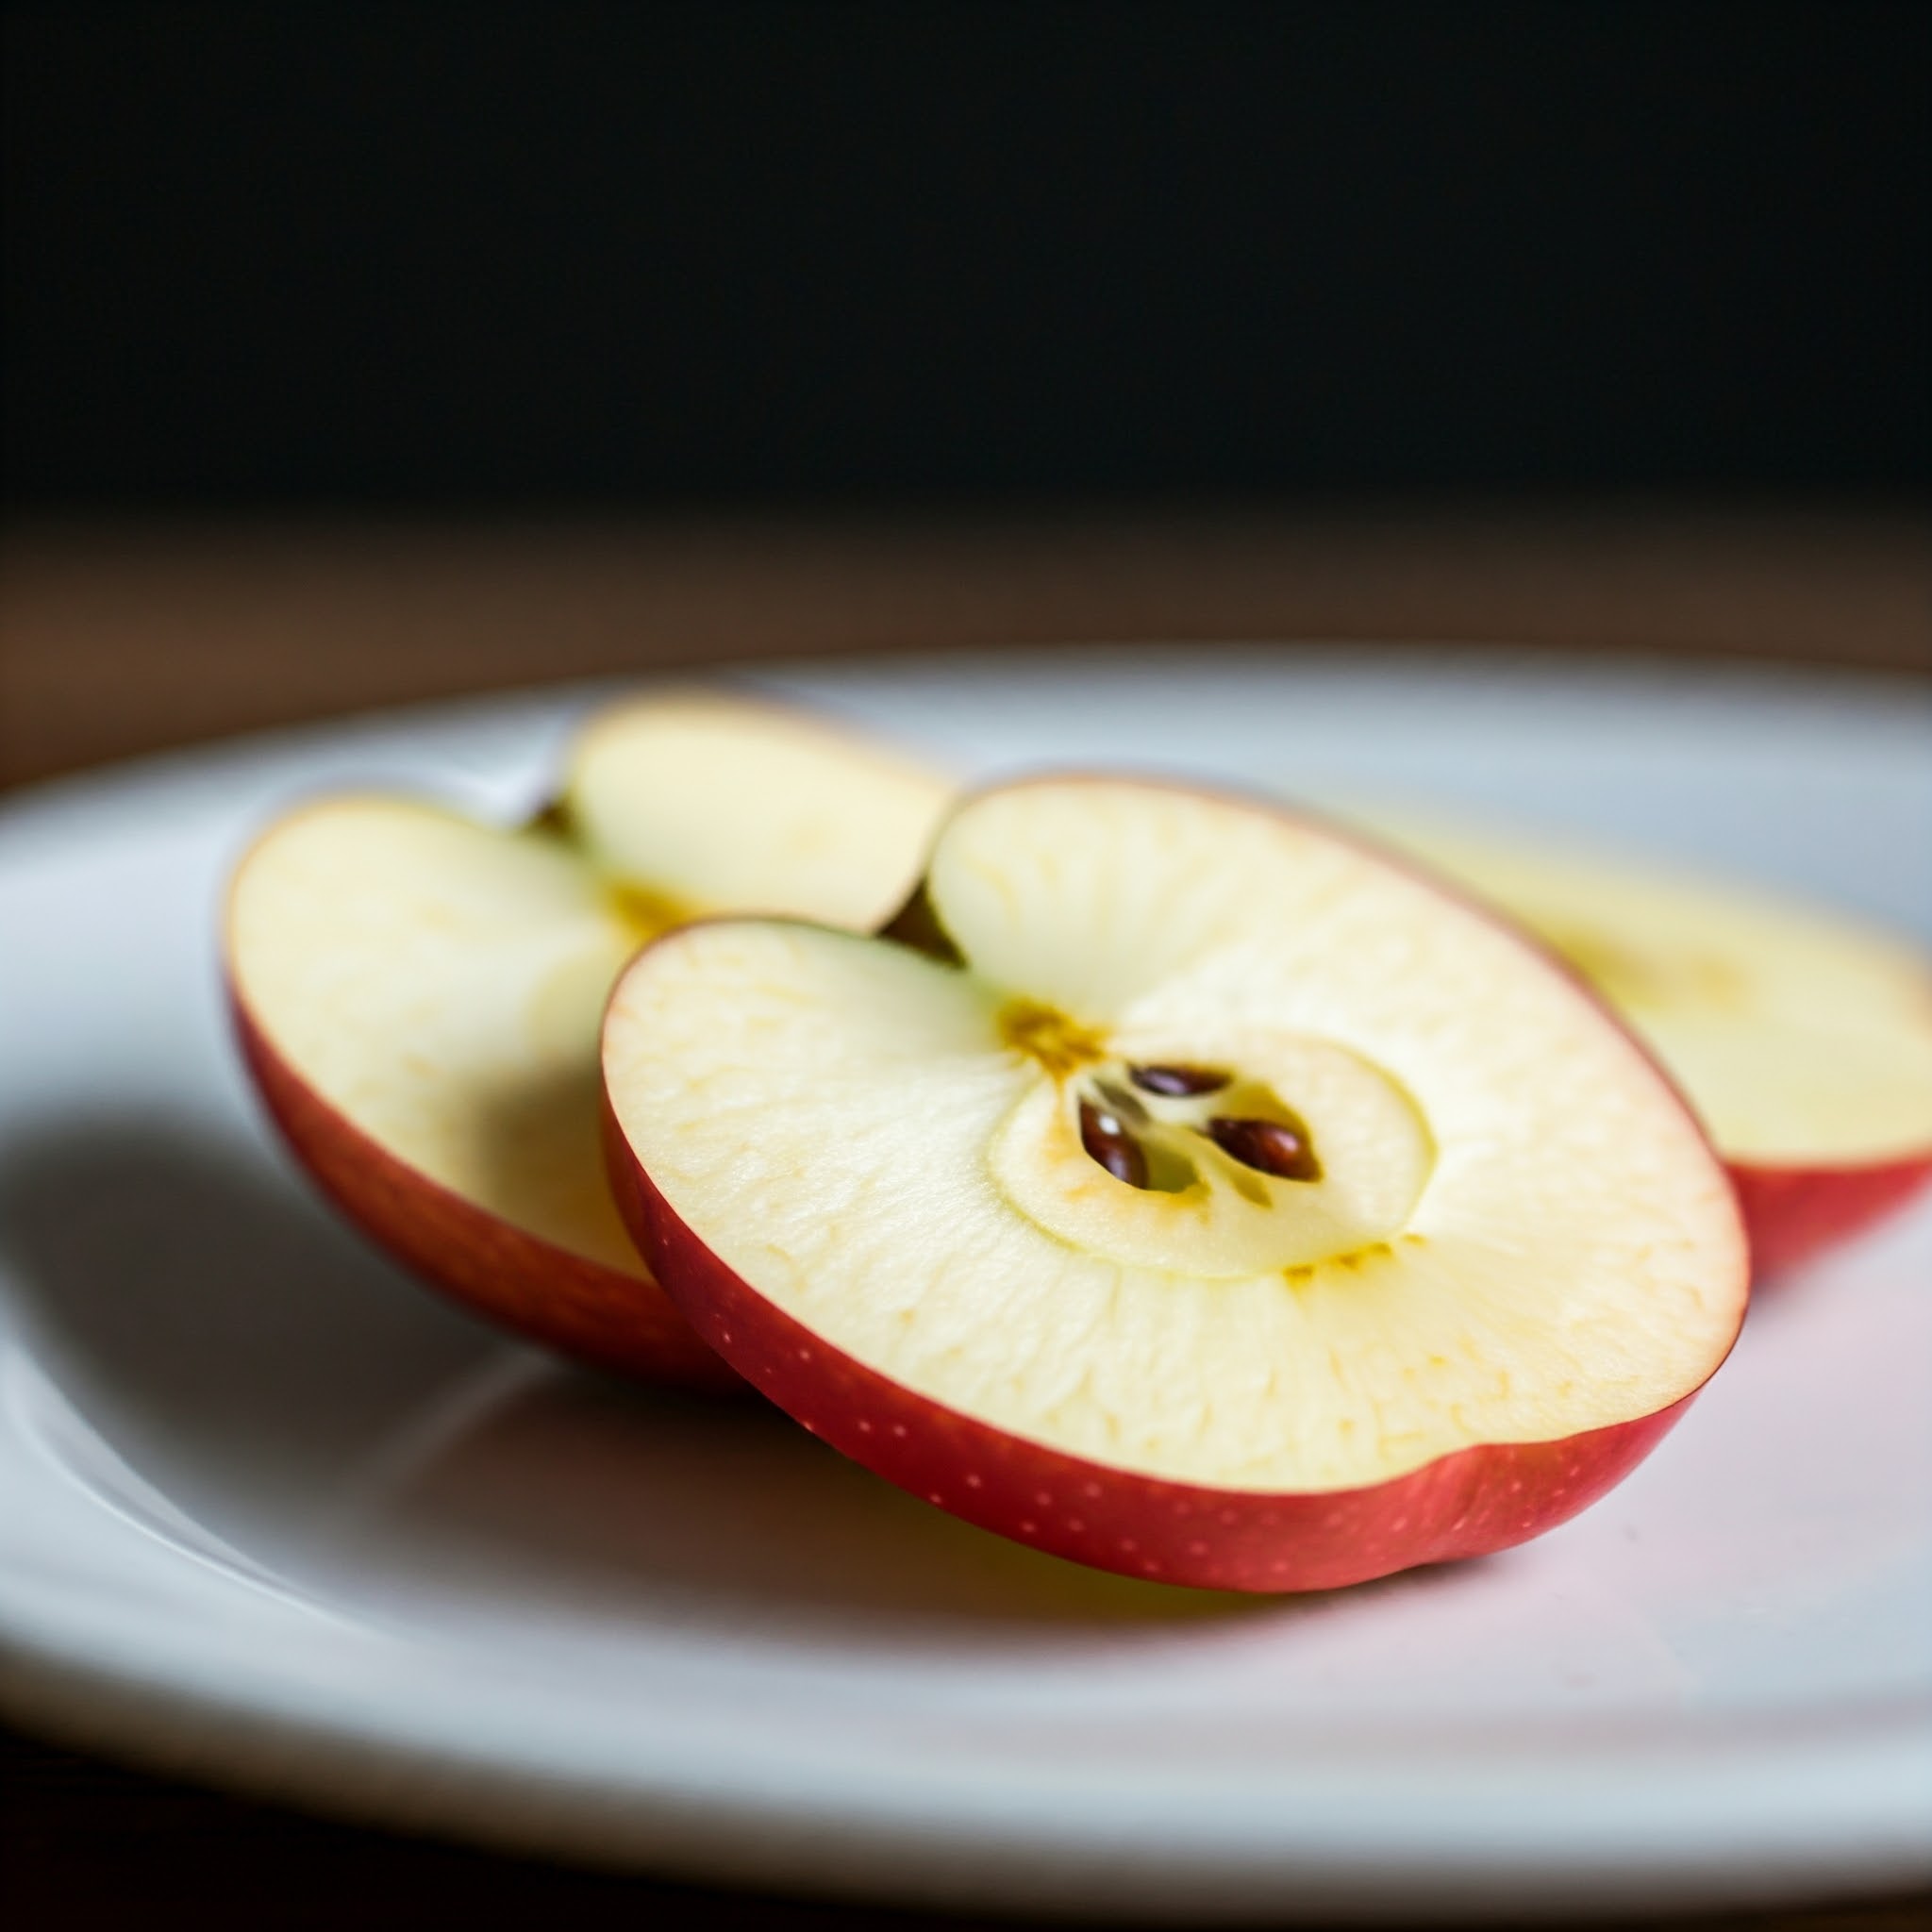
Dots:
(117, 640)
(114, 642)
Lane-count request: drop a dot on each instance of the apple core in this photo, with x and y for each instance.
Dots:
(1217, 1170)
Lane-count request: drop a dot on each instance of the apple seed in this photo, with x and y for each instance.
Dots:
(1271, 1146)
(1174, 1083)
(1108, 1142)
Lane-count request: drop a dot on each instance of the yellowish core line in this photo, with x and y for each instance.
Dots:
(648, 913)
(1060, 1045)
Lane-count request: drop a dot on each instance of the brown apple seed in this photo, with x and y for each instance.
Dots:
(1269, 1146)
(1109, 1143)
(1175, 1082)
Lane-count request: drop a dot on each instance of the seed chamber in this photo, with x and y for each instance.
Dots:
(1202, 1162)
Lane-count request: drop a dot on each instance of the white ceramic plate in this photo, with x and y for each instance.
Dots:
(269, 1513)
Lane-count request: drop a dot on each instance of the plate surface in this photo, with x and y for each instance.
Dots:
(269, 1513)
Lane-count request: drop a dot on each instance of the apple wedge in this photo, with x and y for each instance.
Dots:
(1804, 1041)
(418, 996)
(1206, 1197)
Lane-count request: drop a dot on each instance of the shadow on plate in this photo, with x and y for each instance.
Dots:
(592, 1496)
(293, 1392)
(205, 1311)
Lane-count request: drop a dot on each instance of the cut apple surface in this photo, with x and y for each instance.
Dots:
(1239, 1209)
(1802, 1039)
(418, 996)
(721, 803)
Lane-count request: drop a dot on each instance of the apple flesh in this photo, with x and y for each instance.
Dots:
(705, 803)
(1206, 1199)
(418, 997)
(1804, 1041)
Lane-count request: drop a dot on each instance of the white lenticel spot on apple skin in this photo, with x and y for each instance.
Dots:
(1197, 1549)
(865, 1429)
(1028, 1529)
(1045, 1500)
(1075, 1524)
(898, 1428)
(973, 1482)
(1090, 1490)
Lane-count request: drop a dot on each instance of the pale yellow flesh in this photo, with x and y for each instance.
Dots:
(834, 1118)
(1801, 1039)
(726, 805)
(440, 983)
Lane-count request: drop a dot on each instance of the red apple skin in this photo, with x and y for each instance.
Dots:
(566, 1302)
(1792, 1214)
(1469, 1504)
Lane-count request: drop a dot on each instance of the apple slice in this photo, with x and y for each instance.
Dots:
(1802, 1039)
(418, 996)
(702, 804)
(1239, 1209)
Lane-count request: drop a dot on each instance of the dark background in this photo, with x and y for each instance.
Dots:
(469, 257)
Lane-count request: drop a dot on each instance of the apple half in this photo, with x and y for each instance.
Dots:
(418, 996)
(1804, 1040)
(1206, 1197)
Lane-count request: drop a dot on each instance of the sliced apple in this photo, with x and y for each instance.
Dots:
(418, 996)
(1804, 1041)
(1239, 1209)
(721, 803)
